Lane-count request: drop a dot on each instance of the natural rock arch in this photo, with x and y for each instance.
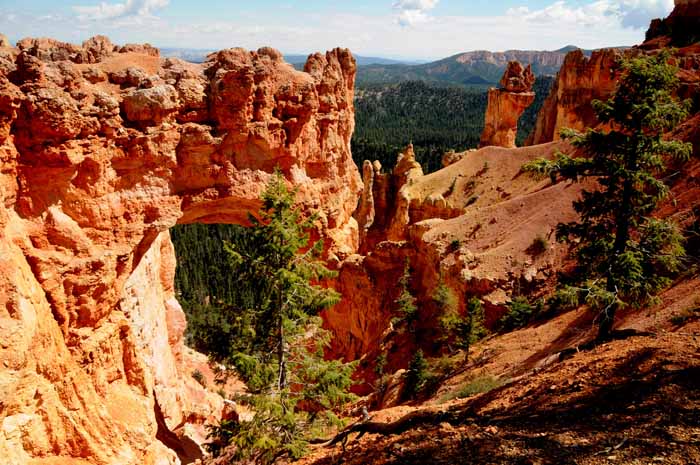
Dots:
(97, 162)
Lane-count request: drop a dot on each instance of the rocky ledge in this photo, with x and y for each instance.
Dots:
(102, 149)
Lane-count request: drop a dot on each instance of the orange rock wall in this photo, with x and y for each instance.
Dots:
(501, 121)
(506, 104)
(568, 105)
(102, 149)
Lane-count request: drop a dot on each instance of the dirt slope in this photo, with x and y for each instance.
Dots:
(635, 400)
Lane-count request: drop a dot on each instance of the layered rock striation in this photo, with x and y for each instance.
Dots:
(568, 105)
(102, 149)
(506, 104)
(582, 79)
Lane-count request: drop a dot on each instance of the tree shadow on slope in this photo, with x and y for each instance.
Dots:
(578, 332)
(642, 406)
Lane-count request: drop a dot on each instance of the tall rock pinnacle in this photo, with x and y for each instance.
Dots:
(506, 104)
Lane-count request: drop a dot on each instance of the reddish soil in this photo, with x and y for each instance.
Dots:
(634, 400)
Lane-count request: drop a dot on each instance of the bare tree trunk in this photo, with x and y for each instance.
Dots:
(281, 361)
(622, 235)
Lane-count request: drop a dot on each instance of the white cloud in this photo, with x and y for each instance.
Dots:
(586, 24)
(130, 8)
(638, 13)
(634, 14)
(412, 12)
(415, 4)
(411, 17)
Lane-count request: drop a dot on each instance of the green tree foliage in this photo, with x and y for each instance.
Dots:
(624, 254)
(416, 375)
(276, 344)
(406, 303)
(204, 284)
(203, 269)
(459, 331)
(520, 313)
(435, 118)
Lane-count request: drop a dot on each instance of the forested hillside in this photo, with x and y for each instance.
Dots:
(435, 118)
(204, 275)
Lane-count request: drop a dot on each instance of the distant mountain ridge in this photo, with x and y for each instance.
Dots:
(479, 66)
(200, 55)
(361, 60)
(474, 68)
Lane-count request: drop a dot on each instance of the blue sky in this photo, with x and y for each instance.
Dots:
(415, 29)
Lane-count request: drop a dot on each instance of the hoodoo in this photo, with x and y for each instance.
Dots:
(506, 104)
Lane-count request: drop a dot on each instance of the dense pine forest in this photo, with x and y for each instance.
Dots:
(204, 275)
(435, 118)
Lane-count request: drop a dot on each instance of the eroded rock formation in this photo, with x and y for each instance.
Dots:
(681, 28)
(388, 204)
(469, 226)
(582, 80)
(506, 104)
(102, 149)
(568, 105)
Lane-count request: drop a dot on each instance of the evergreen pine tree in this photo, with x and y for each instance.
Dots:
(406, 303)
(278, 351)
(459, 331)
(416, 375)
(624, 254)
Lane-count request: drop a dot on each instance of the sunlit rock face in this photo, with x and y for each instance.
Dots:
(102, 149)
(582, 80)
(506, 104)
(568, 105)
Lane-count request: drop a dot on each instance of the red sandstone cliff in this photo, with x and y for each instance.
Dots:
(578, 83)
(582, 80)
(506, 104)
(680, 28)
(102, 149)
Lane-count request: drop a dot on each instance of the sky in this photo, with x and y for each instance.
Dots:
(404, 29)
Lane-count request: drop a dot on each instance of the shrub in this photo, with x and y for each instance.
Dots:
(564, 298)
(484, 169)
(380, 364)
(406, 303)
(416, 375)
(539, 245)
(459, 330)
(199, 377)
(520, 312)
(475, 386)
